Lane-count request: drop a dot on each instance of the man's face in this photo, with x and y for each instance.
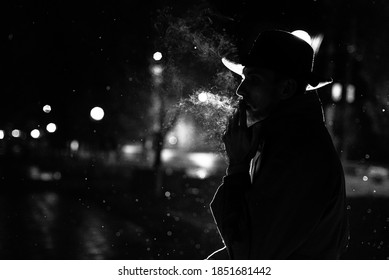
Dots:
(261, 91)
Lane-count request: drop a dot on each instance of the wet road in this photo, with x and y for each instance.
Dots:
(107, 216)
(50, 221)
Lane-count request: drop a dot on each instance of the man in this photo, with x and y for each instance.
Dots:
(283, 196)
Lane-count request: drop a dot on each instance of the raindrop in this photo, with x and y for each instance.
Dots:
(169, 233)
(348, 207)
(365, 178)
(369, 211)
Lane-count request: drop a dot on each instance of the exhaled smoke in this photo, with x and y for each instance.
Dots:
(195, 80)
(211, 112)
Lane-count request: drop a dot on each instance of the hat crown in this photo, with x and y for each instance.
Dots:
(282, 52)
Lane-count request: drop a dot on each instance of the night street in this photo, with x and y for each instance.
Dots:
(118, 120)
(115, 212)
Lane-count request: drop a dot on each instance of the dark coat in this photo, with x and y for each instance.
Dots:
(295, 208)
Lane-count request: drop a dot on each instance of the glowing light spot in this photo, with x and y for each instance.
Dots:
(202, 96)
(350, 93)
(169, 233)
(47, 109)
(383, 110)
(203, 160)
(2, 134)
(51, 127)
(156, 70)
(16, 133)
(336, 92)
(202, 173)
(130, 149)
(97, 113)
(365, 178)
(167, 194)
(74, 145)
(173, 140)
(157, 56)
(35, 133)
(303, 35)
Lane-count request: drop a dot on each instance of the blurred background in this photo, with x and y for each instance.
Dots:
(111, 114)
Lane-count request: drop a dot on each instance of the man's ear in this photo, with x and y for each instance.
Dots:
(289, 89)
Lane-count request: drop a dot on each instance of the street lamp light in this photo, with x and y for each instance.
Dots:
(157, 56)
(47, 108)
(35, 133)
(97, 113)
(51, 127)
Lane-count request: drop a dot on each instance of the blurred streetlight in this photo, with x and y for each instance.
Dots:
(203, 96)
(35, 133)
(16, 133)
(336, 92)
(74, 145)
(47, 108)
(97, 113)
(157, 56)
(51, 127)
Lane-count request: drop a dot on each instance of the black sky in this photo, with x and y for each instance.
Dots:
(77, 54)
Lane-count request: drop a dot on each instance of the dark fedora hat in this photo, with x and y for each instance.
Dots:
(284, 53)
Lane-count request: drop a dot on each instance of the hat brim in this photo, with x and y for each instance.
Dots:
(238, 69)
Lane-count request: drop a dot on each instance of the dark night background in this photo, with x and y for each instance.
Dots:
(137, 184)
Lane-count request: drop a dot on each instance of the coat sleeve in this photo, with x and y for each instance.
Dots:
(230, 212)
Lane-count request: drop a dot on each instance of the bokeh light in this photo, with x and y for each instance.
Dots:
(336, 92)
(35, 133)
(16, 133)
(157, 56)
(74, 145)
(97, 113)
(203, 96)
(51, 127)
(47, 108)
